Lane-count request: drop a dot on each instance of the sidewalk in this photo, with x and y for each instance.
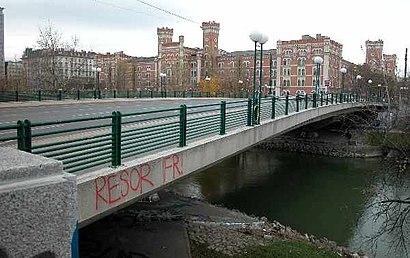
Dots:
(13, 104)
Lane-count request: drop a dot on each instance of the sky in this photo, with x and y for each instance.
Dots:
(130, 26)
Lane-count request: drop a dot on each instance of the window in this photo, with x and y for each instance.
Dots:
(301, 62)
(148, 68)
(246, 63)
(220, 65)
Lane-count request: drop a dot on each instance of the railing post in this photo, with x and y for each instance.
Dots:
(306, 101)
(59, 94)
(20, 135)
(99, 94)
(152, 94)
(297, 103)
(183, 94)
(287, 105)
(27, 135)
(331, 98)
(314, 100)
(223, 118)
(327, 99)
(321, 99)
(78, 94)
(273, 107)
(116, 139)
(140, 93)
(128, 94)
(17, 95)
(182, 125)
(115, 94)
(39, 95)
(341, 97)
(336, 98)
(250, 102)
(95, 94)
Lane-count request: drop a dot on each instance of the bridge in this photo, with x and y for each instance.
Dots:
(119, 158)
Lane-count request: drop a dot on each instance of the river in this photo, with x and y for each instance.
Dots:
(326, 197)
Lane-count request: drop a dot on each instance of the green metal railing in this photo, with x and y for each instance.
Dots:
(41, 95)
(91, 142)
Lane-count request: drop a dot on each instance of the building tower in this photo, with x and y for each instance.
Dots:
(374, 54)
(210, 44)
(164, 36)
(2, 70)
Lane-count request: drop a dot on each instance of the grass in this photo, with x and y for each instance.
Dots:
(278, 249)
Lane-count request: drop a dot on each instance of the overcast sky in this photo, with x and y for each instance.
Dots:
(128, 25)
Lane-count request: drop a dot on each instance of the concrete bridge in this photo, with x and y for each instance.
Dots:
(104, 191)
(107, 190)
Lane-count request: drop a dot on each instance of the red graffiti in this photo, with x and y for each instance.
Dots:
(175, 163)
(115, 187)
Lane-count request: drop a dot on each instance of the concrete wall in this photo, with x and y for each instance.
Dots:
(107, 190)
(38, 214)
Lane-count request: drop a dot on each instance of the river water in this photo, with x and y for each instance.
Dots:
(326, 197)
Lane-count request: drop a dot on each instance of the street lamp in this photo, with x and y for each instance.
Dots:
(255, 36)
(240, 82)
(343, 71)
(369, 86)
(97, 79)
(208, 80)
(262, 41)
(162, 76)
(358, 79)
(318, 61)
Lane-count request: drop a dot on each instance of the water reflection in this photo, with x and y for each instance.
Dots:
(320, 195)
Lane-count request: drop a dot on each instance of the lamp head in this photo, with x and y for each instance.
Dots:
(318, 60)
(343, 70)
(370, 81)
(263, 39)
(358, 77)
(255, 36)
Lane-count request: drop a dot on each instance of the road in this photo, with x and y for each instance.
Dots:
(10, 115)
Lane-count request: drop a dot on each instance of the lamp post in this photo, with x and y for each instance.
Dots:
(255, 36)
(369, 87)
(358, 79)
(318, 61)
(208, 80)
(162, 76)
(343, 71)
(97, 71)
(262, 41)
(270, 73)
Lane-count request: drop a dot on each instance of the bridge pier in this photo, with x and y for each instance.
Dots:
(38, 207)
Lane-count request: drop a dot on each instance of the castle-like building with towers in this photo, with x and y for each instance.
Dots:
(176, 67)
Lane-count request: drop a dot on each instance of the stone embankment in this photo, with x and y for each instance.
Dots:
(327, 144)
(174, 225)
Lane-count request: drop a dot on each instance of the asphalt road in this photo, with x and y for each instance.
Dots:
(10, 115)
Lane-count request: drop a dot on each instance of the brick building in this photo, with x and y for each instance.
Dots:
(296, 69)
(377, 60)
(115, 70)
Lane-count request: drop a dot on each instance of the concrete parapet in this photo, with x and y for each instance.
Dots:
(38, 207)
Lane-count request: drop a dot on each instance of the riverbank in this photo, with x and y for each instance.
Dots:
(326, 143)
(178, 226)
